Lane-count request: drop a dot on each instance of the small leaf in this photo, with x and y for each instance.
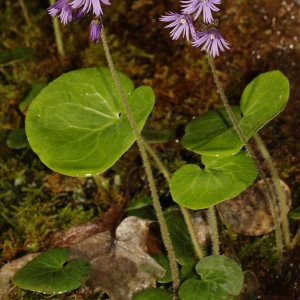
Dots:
(201, 290)
(143, 202)
(164, 262)
(152, 294)
(221, 179)
(77, 124)
(222, 271)
(14, 56)
(50, 273)
(34, 91)
(262, 100)
(295, 214)
(17, 139)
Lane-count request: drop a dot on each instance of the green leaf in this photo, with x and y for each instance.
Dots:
(17, 139)
(222, 178)
(50, 273)
(201, 290)
(14, 56)
(140, 203)
(222, 271)
(262, 100)
(77, 124)
(142, 208)
(164, 262)
(152, 294)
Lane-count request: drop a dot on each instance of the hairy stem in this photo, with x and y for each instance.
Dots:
(185, 212)
(249, 150)
(25, 11)
(159, 212)
(214, 229)
(279, 193)
(58, 36)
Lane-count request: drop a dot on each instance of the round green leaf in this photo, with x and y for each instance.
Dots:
(222, 178)
(77, 124)
(50, 273)
(222, 271)
(152, 294)
(201, 290)
(213, 133)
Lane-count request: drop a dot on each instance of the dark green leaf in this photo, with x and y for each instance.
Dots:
(17, 139)
(50, 273)
(179, 235)
(222, 271)
(193, 289)
(152, 294)
(34, 91)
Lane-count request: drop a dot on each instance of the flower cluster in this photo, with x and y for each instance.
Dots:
(181, 23)
(67, 10)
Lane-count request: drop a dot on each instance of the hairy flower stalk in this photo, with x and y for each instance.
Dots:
(181, 23)
(67, 11)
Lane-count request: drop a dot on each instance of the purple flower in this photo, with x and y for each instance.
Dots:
(95, 30)
(88, 5)
(182, 24)
(213, 42)
(56, 8)
(205, 6)
(65, 15)
(62, 9)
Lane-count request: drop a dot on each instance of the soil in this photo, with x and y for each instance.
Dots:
(263, 35)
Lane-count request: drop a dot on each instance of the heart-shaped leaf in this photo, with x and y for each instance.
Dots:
(50, 273)
(220, 179)
(222, 271)
(213, 133)
(77, 124)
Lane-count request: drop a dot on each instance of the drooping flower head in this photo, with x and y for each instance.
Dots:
(200, 6)
(95, 30)
(212, 40)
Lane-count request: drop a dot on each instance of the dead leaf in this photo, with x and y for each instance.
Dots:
(119, 266)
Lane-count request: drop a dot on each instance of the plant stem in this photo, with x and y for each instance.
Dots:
(159, 212)
(25, 12)
(185, 212)
(58, 36)
(278, 189)
(252, 155)
(295, 240)
(214, 229)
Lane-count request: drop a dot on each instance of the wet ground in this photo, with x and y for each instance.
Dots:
(263, 36)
